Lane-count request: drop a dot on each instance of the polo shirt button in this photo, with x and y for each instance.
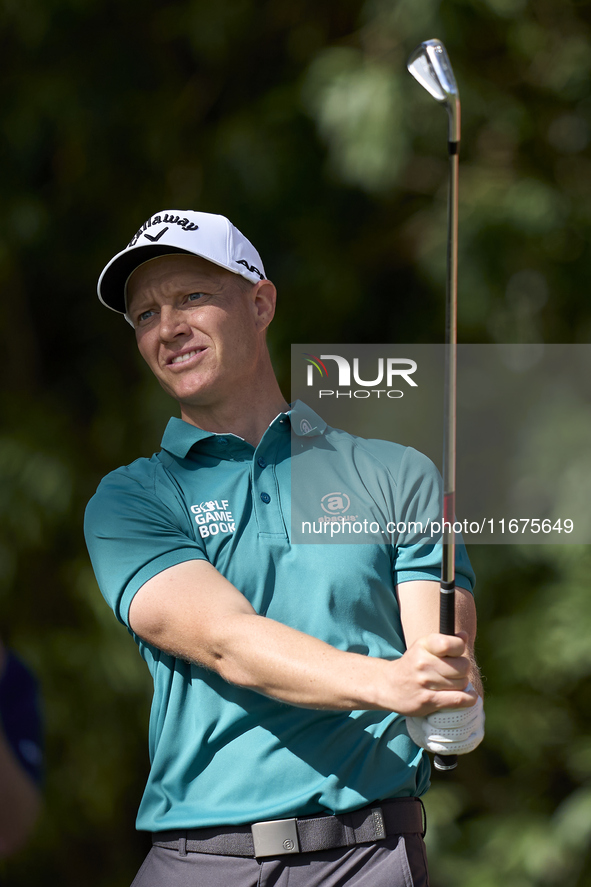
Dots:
(266, 498)
(223, 441)
(261, 462)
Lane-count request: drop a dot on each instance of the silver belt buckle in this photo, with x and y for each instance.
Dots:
(275, 838)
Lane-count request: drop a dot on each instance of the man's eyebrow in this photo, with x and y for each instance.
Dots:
(137, 302)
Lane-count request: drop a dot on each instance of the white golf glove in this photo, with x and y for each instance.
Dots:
(454, 731)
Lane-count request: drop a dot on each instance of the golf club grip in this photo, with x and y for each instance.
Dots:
(447, 625)
(447, 608)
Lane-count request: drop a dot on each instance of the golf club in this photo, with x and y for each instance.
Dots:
(429, 65)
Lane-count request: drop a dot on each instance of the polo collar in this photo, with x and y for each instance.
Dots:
(304, 421)
(179, 436)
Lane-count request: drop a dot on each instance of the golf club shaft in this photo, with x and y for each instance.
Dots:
(447, 592)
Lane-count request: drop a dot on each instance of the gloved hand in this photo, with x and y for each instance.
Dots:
(454, 731)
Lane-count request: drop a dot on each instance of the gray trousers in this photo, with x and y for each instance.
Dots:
(398, 861)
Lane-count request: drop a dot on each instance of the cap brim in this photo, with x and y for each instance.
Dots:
(111, 285)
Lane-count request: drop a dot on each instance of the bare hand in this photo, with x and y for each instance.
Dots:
(433, 675)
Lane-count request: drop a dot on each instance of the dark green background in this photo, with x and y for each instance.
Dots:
(296, 119)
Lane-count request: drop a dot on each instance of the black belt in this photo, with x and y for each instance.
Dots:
(304, 834)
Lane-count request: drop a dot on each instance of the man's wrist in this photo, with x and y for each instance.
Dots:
(379, 689)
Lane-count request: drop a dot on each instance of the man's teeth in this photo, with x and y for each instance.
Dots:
(183, 357)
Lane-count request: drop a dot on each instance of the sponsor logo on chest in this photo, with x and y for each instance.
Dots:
(213, 518)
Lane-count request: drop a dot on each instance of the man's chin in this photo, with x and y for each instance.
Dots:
(191, 395)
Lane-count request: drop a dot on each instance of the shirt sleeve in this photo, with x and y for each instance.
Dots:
(419, 503)
(136, 527)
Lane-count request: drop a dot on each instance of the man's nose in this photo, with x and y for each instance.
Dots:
(173, 323)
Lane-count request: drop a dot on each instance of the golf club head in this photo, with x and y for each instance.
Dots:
(429, 64)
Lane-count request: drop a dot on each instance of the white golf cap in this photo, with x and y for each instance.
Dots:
(172, 231)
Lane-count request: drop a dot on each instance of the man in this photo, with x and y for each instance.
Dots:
(278, 742)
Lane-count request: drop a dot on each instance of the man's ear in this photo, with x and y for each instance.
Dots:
(264, 298)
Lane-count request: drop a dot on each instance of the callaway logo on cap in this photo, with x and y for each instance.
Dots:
(180, 231)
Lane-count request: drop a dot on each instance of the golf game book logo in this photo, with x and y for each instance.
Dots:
(389, 372)
(213, 518)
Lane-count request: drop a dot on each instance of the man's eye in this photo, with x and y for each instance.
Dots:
(145, 315)
(194, 297)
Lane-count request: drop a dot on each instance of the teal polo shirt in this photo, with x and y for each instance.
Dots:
(221, 754)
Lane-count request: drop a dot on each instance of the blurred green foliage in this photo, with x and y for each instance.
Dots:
(296, 119)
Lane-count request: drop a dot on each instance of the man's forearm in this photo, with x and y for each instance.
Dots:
(260, 654)
(475, 676)
(263, 655)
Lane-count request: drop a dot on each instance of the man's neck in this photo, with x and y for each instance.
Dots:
(247, 417)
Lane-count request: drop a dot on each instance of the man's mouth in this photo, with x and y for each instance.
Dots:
(182, 358)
